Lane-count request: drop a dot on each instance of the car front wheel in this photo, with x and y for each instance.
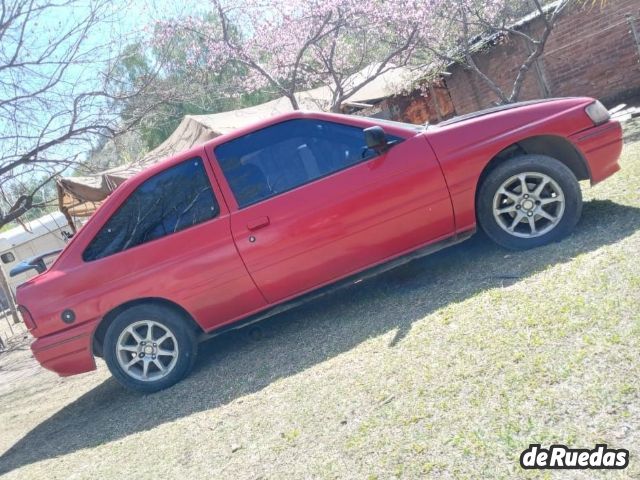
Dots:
(529, 201)
(149, 347)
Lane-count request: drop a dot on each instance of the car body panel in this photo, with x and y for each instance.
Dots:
(204, 254)
(67, 352)
(465, 148)
(420, 193)
(601, 147)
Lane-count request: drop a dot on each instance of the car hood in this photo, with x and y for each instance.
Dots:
(563, 116)
(483, 134)
(492, 110)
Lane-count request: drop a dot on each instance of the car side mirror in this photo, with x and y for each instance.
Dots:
(7, 257)
(375, 138)
(36, 263)
(25, 267)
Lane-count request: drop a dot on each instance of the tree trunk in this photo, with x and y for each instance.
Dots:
(294, 101)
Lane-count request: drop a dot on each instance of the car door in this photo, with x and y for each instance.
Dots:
(313, 204)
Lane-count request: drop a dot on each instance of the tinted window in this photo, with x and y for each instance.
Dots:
(287, 155)
(173, 200)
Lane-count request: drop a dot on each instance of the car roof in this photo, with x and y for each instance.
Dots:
(140, 177)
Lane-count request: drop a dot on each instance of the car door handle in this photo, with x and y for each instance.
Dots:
(258, 223)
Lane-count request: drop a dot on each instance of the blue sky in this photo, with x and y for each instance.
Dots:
(28, 117)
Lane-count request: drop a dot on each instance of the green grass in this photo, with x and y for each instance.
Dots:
(445, 368)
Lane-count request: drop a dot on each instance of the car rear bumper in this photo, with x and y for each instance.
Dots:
(68, 352)
(601, 147)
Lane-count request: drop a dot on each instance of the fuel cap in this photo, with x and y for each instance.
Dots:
(68, 316)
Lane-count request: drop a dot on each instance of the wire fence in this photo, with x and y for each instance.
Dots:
(12, 334)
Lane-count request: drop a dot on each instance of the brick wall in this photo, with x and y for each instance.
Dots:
(591, 52)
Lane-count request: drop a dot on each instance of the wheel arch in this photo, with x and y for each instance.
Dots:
(553, 146)
(110, 316)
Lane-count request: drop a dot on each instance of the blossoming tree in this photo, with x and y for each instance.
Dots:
(292, 45)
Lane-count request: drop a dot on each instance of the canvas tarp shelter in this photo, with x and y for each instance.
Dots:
(80, 196)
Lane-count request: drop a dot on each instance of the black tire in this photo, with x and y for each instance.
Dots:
(169, 319)
(536, 164)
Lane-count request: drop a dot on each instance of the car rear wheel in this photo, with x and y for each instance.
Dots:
(149, 347)
(529, 201)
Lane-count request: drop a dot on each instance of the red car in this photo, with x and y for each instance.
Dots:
(253, 222)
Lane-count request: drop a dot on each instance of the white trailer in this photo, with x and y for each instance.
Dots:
(40, 236)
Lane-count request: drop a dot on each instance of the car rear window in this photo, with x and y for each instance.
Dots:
(168, 202)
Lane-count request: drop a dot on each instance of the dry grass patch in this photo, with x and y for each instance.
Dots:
(446, 368)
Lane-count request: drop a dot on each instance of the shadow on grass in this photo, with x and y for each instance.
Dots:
(631, 131)
(232, 365)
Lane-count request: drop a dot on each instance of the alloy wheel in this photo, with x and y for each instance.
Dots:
(147, 350)
(528, 204)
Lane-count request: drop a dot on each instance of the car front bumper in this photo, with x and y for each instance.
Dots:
(601, 146)
(68, 352)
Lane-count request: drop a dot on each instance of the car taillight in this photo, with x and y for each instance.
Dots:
(26, 316)
(597, 113)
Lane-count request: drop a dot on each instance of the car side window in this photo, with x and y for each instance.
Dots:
(175, 199)
(284, 156)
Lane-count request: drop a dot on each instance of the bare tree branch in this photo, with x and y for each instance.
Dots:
(538, 46)
(477, 32)
(58, 93)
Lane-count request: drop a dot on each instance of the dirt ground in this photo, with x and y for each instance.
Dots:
(448, 367)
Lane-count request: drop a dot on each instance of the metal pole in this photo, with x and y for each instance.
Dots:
(432, 91)
(636, 36)
(541, 77)
(9, 296)
(9, 323)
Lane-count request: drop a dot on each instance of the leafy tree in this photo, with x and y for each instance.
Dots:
(180, 86)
